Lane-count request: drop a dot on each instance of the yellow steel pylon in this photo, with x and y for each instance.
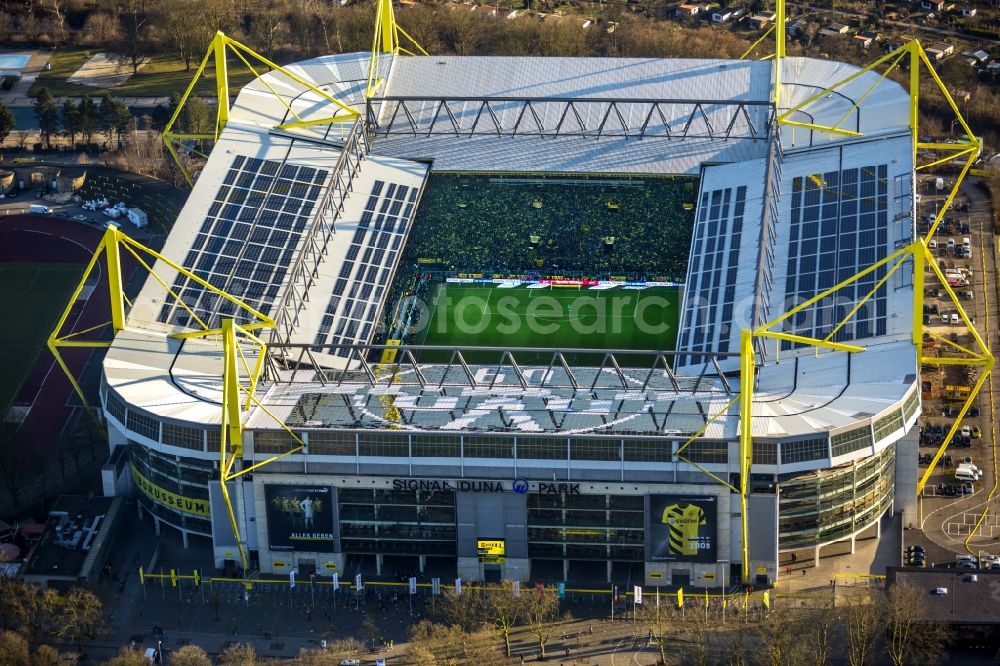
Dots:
(109, 249)
(217, 53)
(386, 41)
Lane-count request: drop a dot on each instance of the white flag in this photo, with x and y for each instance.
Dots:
(291, 577)
(637, 594)
(413, 584)
(357, 582)
(336, 582)
(517, 588)
(458, 586)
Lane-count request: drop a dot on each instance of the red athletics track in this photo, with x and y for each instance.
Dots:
(43, 239)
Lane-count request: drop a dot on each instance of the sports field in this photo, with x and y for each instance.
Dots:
(552, 317)
(32, 296)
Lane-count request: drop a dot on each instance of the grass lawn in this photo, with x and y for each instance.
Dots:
(161, 76)
(32, 297)
(554, 317)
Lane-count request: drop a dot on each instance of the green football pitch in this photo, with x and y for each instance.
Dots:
(32, 297)
(552, 318)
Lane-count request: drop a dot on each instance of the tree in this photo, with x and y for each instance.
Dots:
(13, 649)
(78, 616)
(47, 112)
(541, 613)
(128, 656)
(88, 118)
(441, 645)
(189, 655)
(187, 28)
(34, 610)
(135, 43)
(240, 654)
(71, 120)
(910, 636)
(780, 638)
(661, 622)
(862, 617)
(466, 610)
(334, 653)
(505, 610)
(46, 655)
(7, 122)
(817, 630)
(268, 26)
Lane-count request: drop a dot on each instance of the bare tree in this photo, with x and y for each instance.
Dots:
(78, 616)
(466, 610)
(135, 43)
(662, 622)
(505, 610)
(101, 29)
(46, 655)
(440, 645)
(779, 638)
(817, 630)
(541, 614)
(189, 655)
(910, 636)
(13, 649)
(240, 654)
(863, 620)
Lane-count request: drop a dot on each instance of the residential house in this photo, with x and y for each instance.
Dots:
(687, 10)
(961, 95)
(976, 57)
(725, 15)
(933, 5)
(940, 51)
(968, 12)
(761, 21)
(834, 30)
(866, 38)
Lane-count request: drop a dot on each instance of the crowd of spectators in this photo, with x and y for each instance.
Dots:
(490, 224)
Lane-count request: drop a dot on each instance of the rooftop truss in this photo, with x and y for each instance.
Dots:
(571, 116)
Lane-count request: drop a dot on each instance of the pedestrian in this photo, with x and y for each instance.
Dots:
(795, 558)
(788, 570)
(803, 571)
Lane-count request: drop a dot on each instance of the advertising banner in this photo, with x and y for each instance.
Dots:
(300, 518)
(681, 528)
(188, 505)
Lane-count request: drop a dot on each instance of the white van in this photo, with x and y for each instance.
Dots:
(966, 243)
(965, 475)
(38, 209)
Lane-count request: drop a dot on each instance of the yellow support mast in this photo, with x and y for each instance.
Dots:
(386, 41)
(218, 51)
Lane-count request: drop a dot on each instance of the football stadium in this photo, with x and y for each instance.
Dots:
(577, 319)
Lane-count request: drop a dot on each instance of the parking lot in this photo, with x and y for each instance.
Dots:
(954, 501)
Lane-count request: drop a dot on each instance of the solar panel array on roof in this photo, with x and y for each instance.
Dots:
(364, 275)
(839, 225)
(713, 271)
(247, 240)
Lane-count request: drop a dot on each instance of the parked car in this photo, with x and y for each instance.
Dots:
(976, 432)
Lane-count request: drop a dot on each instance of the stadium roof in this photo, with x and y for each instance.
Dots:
(264, 192)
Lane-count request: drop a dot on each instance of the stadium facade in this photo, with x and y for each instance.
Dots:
(621, 470)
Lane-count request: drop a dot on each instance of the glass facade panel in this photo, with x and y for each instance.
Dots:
(803, 450)
(144, 425)
(188, 438)
(273, 441)
(541, 448)
(488, 447)
(586, 527)
(832, 504)
(397, 521)
(332, 444)
(383, 445)
(436, 446)
(888, 424)
(852, 440)
(648, 450)
(595, 449)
